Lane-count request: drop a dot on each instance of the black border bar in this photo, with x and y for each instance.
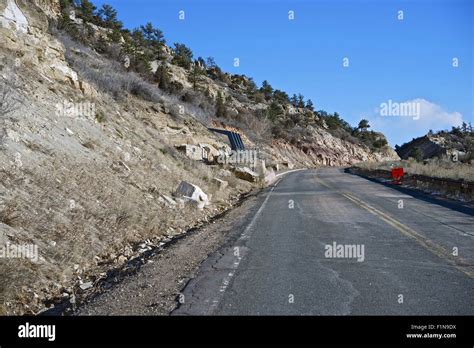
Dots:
(223, 330)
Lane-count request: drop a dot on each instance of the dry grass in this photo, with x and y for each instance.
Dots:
(111, 77)
(111, 211)
(434, 168)
(81, 207)
(9, 215)
(14, 273)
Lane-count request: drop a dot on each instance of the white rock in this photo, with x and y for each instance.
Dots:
(193, 193)
(86, 286)
(222, 184)
(246, 174)
(270, 177)
(164, 167)
(121, 260)
(12, 16)
(168, 201)
(261, 168)
(224, 173)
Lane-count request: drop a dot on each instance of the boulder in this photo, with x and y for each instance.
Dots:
(210, 153)
(192, 151)
(167, 201)
(261, 168)
(224, 173)
(88, 90)
(85, 286)
(246, 174)
(193, 193)
(221, 183)
(270, 177)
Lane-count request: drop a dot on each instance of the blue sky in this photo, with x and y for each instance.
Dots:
(389, 59)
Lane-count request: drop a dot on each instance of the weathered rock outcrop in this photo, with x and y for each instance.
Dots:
(439, 145)
(24, 33)
(324, 149)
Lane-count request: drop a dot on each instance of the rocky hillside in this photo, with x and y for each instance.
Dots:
(92, 167)
(456, 145)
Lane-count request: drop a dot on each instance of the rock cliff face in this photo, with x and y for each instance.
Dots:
(322, 148)
(429, 148)
(83, 175)
(24, 35)
(440, 145)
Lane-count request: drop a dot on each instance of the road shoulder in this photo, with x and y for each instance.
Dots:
(156, 288)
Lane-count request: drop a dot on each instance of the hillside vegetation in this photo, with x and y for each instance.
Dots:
(456, 145)
(263, 112)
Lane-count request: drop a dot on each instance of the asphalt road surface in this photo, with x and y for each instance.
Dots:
(395, 253)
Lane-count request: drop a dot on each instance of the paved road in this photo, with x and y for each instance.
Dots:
(417, 258)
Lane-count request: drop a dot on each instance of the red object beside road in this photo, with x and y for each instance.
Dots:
(397, 175)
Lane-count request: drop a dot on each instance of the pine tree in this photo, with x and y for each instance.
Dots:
(280, 97)
(163, 77)
(115, 35)
(251, 88)
(195, 75)
(66, 5)
(108, 15)
(300, 101)
(211, 63)
(275, 112)
(308, 117)
(201, 62)
(153, 36)
(65, 23)
(267, 90)
(138, 38)
(153, 40)
(87, 11)
(294, 100)
(183, 56)
(309, 105)
(363, 125)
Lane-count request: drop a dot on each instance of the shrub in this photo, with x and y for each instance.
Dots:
(108, 76)
(417, 154)
(8, 99)
(100, 117)
(380, 143)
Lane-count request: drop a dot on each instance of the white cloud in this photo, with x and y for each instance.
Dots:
(400, 129)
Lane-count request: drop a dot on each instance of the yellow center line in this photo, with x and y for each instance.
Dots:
(461, 264)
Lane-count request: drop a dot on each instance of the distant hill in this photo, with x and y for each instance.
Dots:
(457, 143)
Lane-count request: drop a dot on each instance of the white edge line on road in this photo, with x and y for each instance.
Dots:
(245, 235)
(257, 214)
(290, 171)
